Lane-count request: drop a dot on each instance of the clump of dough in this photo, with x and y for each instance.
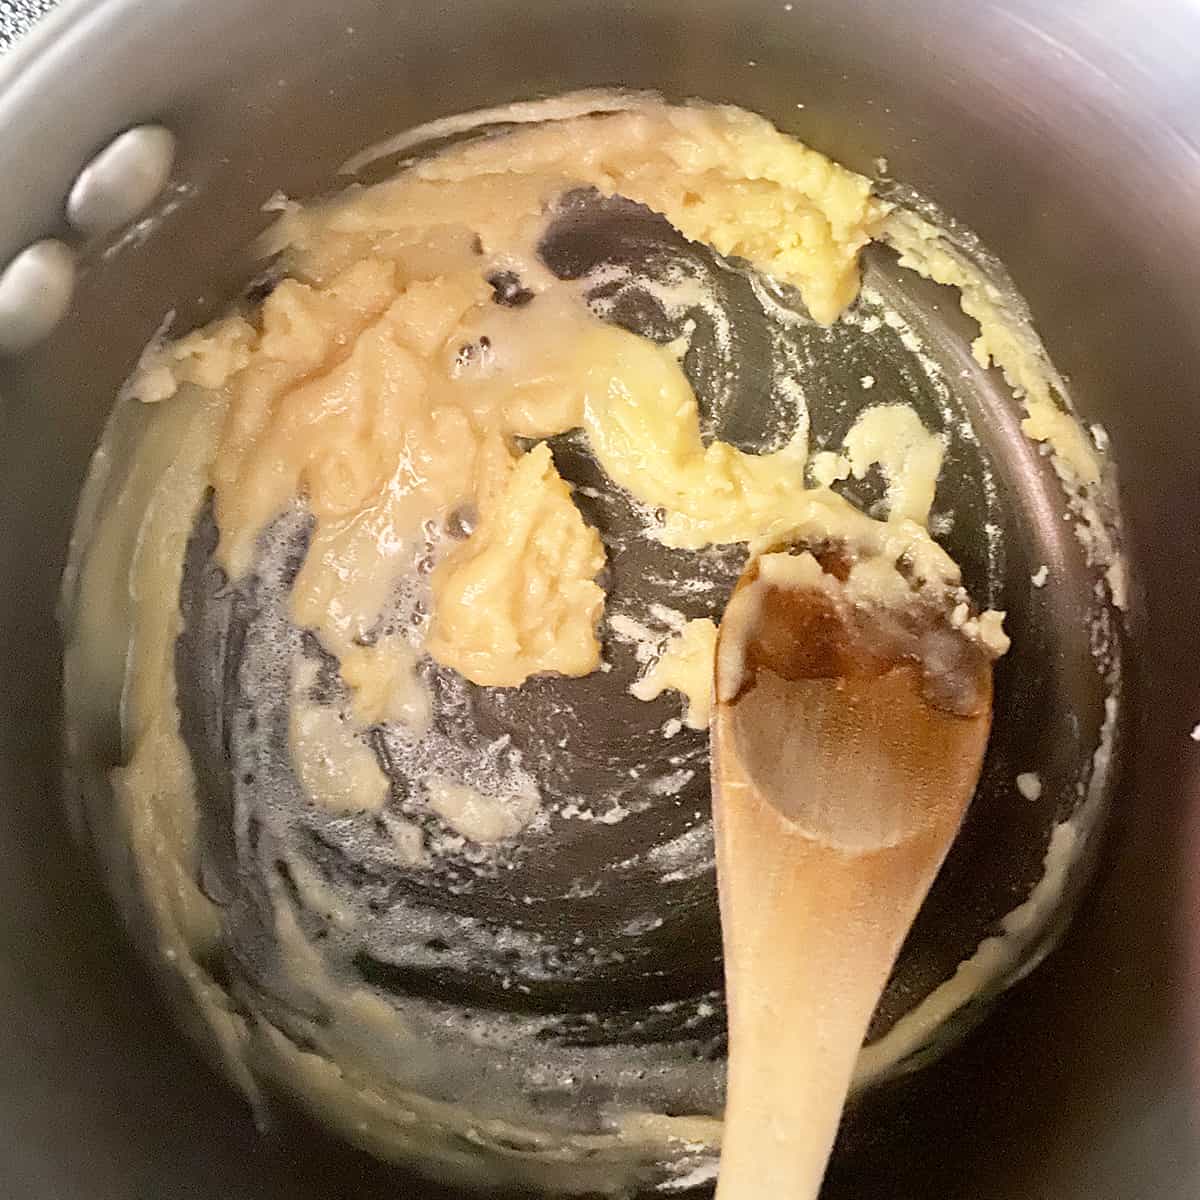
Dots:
(520, 597)
(477, 817)
(685, 666)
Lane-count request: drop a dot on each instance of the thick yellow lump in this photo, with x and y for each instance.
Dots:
(520, 598)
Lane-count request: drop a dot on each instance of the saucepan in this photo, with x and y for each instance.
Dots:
(1065, 134)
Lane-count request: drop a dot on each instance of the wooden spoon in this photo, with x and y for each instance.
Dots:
(847, 742)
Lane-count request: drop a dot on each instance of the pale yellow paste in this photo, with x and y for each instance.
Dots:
(335, 766)
(908, 455)
(385, 388)
(685, 666)
(520, 598)
(480, 818)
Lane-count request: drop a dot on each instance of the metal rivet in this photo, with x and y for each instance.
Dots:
(121, 180)
(35, 293)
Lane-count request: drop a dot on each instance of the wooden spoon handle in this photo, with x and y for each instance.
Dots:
(811, 933)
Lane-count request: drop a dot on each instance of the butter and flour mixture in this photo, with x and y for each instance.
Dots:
(336, 540)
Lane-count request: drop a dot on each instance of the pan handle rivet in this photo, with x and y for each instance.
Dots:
(35, 293)
(122, 180)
